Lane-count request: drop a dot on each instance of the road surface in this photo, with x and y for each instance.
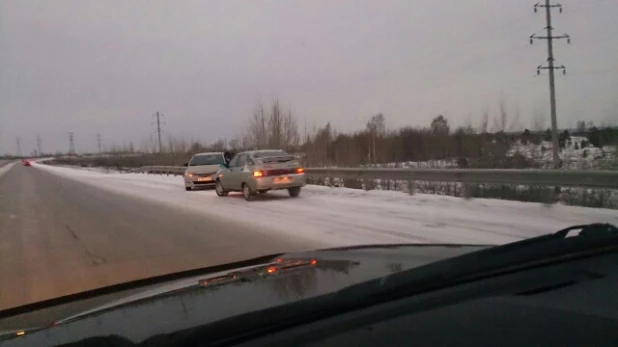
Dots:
(59, 236)
(65, 230)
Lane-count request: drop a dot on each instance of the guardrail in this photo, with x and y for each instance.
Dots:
(576, 178)
(161, 170)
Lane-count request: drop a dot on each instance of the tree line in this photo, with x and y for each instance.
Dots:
(273, 126)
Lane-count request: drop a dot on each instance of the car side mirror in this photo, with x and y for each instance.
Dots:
(185, 164)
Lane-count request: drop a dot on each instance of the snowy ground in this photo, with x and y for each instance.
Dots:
(576, 155)
(4, 167)
(341, 216)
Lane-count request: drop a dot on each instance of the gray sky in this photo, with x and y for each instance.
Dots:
(107, 66)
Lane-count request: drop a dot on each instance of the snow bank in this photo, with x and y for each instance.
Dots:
(344, 217)
(6, 167)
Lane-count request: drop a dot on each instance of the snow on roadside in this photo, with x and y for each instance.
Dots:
(5, 168)
(343, 217)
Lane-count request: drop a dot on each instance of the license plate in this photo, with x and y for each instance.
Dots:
(204, 179)
(281, 179)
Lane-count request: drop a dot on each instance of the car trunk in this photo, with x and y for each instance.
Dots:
(277, 166)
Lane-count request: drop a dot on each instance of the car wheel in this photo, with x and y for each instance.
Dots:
(294, 192)
(219, 189)
(187, 188)
(247, 193)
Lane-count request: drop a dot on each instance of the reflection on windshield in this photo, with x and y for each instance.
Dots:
(211, 159)
(297, 286)
(185, 308)
(394, 267)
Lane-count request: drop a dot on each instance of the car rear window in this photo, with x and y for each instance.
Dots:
(207, 159)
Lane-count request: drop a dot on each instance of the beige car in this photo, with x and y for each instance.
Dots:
(202, 169)
(256, 172)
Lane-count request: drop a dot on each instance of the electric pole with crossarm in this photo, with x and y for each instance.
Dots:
(158, 116)
(71, 143)
(551, 67)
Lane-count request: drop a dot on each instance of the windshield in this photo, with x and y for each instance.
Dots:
(207, 159)
(147, 138)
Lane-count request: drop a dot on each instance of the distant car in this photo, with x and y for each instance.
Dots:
(259, 171)
(202, 168)
(25, 163)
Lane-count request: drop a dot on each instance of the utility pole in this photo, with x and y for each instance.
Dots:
(158, 116)
(39, 144)
(551, 67)
(99, 142)
(305, 140)
(71, 144)
(18, 143)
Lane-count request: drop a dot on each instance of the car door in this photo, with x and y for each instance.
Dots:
(246, 171)
(226, 176)
(237, 176)
(231, 179)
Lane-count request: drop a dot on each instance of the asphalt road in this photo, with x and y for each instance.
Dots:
(59, 237)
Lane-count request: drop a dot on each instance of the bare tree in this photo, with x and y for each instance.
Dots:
(376, 128)
(219, 145)
(282, 128)
(290, 131)
(275, 125)
(500, 123)
(439, 126)
(515, 123)
(256, 136)
(235, 143)
(581, 127)
(538, 121)
(275, 129)
(484, 122)
(170, 145)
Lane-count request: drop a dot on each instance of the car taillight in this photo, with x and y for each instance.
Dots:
(300, 170)
(258, 173)
(188, 174)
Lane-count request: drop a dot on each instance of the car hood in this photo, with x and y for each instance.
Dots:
(205, 169)
(205, 299)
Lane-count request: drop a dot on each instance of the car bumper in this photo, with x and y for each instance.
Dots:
(273, 183)
(194, 183)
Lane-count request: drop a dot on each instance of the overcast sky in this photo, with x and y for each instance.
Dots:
(106, 67)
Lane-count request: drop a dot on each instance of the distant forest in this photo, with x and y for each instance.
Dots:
(482, 146)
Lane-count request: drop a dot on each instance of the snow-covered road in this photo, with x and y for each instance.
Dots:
(341, 216)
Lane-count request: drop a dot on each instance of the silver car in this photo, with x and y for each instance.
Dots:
(256, 172)
(202, 169)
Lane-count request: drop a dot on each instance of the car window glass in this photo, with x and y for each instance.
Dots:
(207, 159)
(241, 160)
(234, 160)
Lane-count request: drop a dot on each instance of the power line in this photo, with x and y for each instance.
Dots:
(71, 144)
(551, 67)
